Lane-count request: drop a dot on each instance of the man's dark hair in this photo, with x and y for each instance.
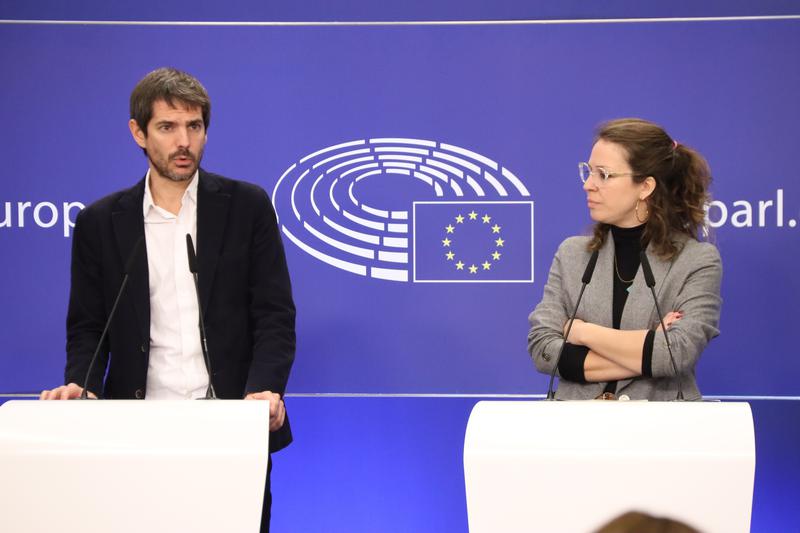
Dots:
(168, 84)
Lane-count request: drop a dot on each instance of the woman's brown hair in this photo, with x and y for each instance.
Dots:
(677, 204)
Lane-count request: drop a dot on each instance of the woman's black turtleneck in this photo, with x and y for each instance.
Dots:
(627, 245)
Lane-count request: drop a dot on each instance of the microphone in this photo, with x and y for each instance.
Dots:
(650, 281)
(587, 277)
(127, 272)
(211, 394)
(589, 272)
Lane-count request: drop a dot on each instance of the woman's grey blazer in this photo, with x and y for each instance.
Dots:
(690, 283)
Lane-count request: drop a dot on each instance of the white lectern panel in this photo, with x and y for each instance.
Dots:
(571, 466)
(132, 466)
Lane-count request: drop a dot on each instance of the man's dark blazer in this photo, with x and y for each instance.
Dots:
(244, 288)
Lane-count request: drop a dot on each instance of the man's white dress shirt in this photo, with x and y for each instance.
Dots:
(176, 369)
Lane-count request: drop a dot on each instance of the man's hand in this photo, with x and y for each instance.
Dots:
(277, 411)
(64, 392)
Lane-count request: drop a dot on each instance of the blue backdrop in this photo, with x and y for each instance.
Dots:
(374, 139)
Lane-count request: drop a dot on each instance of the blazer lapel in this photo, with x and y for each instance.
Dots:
(640, 311)
(599, 298)
(128, 222)
(212, 215)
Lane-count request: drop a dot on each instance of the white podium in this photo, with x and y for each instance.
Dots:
(132, 466)
(572, 466)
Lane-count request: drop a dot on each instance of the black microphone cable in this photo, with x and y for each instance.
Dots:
(650, 280)
(587, 277)
(127, 272)
(211, 394)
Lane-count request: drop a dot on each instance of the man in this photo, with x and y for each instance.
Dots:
(153, 346)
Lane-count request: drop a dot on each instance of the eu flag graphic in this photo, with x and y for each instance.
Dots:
(476, 242)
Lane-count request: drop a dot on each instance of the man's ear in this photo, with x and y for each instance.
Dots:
(138, 134)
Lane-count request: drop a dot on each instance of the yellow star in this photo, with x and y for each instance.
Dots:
(473, 269)
(499, 243)
(473, 215)
(496, 255)
(486, 265)
(459, 266)
(449, 228)
(450, 256)
(486, 219)
(495, 229)
(460, 219)
(446, 242)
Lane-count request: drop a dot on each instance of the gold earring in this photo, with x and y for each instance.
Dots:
(636, 212)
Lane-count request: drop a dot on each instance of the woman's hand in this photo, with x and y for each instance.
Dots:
(670, 318)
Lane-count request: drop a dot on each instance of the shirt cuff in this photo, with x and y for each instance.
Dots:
(571, 365)
(647, 354)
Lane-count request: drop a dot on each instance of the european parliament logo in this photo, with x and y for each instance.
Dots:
(408, 210)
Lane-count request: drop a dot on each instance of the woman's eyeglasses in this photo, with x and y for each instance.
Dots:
(585, 171)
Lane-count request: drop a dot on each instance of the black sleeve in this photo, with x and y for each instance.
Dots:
(86, 314)
(271, 306)
(571, 365)
(647, 354)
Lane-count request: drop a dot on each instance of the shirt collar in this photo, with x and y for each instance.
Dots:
(191, 192)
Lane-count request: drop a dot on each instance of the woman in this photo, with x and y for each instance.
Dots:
(645, 191)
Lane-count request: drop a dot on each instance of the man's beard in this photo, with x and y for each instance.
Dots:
(162, 167)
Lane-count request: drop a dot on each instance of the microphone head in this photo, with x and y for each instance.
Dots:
(649, 279)
(191, 254)
(587, 274)
(134, 254)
